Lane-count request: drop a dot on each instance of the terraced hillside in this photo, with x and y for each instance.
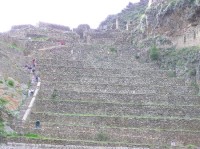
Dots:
(92, 96)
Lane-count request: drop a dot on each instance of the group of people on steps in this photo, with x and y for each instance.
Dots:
(34, 76)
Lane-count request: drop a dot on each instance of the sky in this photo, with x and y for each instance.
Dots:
(64, 12)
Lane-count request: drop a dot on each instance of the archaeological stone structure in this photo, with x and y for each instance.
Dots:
(96, 93)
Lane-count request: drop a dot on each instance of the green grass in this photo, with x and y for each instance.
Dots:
(14, 46)
(31, 135)
(40, 39)
(3, 102)
(27, 135)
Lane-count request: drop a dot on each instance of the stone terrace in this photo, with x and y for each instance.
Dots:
(92, 97)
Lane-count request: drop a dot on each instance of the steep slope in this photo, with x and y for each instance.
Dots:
(92, 101)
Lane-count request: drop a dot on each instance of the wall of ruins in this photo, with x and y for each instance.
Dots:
(107, 37)
(191, 37)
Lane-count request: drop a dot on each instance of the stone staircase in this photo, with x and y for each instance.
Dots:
(115, 101)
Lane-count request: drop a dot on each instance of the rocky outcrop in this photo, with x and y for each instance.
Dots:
(171, 18)
(131, 14)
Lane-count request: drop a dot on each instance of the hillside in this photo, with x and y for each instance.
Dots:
(131, 83)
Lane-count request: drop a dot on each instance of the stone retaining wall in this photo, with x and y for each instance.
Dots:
(116, 109)
(126, 98)
(110, 80)
(50, 69)
(109, 88)
(139, 122)
(127, 135)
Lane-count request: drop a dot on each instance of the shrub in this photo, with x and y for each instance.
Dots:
(3, 102)
(102, 137)
(1, 82)
(113, 50)
(192, 72)
(154, 53)
(171, 74)
(54, 94)
(10, 83)
(196, 86)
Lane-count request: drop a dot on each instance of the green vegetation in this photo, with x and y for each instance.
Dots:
(27, 135)
(40, 39)
(2, 131)
(31, 135)
(10, 83)
(154, 53)
(1, 82)
(192, 72)
(113, 50)
(132, 13)
(102, 137)
(172, 58)
(54, 94)
(196, 86)
(171, 74)
(191, 146)
(14, 46)
(3, 102)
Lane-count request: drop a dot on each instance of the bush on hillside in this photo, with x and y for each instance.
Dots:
(102, 137)
(11, 83)
(154, 53)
